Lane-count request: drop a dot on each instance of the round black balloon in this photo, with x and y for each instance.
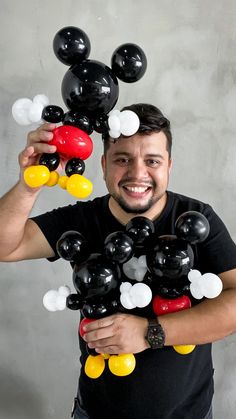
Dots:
(101, 124)
(73, 302)
(71, 45)
(72, 246)
(192, 226)
(74, 166)
(76, 119)
(90, 87)
(96, 277)
(118, 247)
(50, 160)
(129, 63)
(139, 229)
(173, 289)
(53, 113)
(171, 257)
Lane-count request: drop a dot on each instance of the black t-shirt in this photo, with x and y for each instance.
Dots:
(164, 384)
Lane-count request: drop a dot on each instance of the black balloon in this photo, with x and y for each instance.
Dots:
(140, 228)
(90, 87)
(74, 166)
(99, 309)
(129, 63)
(171, 257)
(192, 226)
(53, 113)
(97, 277)
(101, 124)
(72, 246)
(51, 160)
(71, 45)
(76, 119)
(118, 247)
(172, 288)
(73, 302)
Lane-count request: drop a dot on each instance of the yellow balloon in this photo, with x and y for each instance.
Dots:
(122, 364)
(184, 349)
(94, 366)
(54, 176)
(35, 176)
(79, 186)
(62, 181)
(106, 356)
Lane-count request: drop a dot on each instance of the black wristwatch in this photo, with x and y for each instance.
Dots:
(155, 334)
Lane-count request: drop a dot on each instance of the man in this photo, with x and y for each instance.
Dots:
(164, 384)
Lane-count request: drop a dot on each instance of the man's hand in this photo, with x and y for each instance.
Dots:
(36, 145)
(117, 334)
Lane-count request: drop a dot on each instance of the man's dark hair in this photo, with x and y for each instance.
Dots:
(151, 120)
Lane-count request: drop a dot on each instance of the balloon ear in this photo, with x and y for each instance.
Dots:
(71, 45)
(129, 63)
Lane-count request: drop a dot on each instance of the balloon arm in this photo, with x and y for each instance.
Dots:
(118, 333)
(209, 321)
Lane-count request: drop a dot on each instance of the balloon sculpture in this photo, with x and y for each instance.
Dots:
(158, 272)
(90, 91)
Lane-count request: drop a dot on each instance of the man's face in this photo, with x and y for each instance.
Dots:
(136, 171)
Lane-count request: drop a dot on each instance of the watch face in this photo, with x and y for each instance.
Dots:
(155, 335)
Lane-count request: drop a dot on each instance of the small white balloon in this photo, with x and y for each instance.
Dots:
(129, 268)
(126, 301)
(114, 134)
(42, 99)
(114, 123)
(142, 261)
(129, 122)
(211, 285)
(194, 274)
(49, 300)
(115, 112)
(125, 287)
(20, 110)
(195, 291)
(35, 112)
(140, 274)
(64, 290)
(61, 302)
(141, 295)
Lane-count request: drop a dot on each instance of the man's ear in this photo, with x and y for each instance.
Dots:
(170, 165)
(103, 163)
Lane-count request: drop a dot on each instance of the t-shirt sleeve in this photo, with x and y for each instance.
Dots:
(217, 253)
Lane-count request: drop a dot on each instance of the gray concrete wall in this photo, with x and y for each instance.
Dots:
(191, 51)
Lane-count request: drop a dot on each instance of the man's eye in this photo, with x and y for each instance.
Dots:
(152, 163)
(122, 161)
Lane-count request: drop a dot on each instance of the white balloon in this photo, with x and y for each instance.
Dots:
(129, 122)
(41, 99)
(129, 268)
(194, 274)
(49, 300)
(195, 291)
(126, 301)
(64, 290)
(141, 295)
(114, 112)
(114, 123)
(20, 110)
(114, 134)
(60, 302)
(142, 261)
(125, 287)
(35, 112)
(140, 273)
(211, 285)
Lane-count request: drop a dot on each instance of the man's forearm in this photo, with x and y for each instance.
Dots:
(15, 208)
(209, 321)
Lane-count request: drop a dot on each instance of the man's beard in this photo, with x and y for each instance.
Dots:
(134, 209)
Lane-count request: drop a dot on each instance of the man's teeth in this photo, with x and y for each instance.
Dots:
(137, 189)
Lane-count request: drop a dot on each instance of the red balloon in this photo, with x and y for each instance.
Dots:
(82, 324)
(162, 305)
(72, 142)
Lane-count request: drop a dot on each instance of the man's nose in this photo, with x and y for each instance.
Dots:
(138, 169)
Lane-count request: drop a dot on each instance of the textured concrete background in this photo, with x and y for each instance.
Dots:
(191, 51)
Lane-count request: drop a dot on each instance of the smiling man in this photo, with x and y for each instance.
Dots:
(164, 384)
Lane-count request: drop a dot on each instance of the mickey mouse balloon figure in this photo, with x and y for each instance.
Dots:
(124, 278)
(90, 91)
